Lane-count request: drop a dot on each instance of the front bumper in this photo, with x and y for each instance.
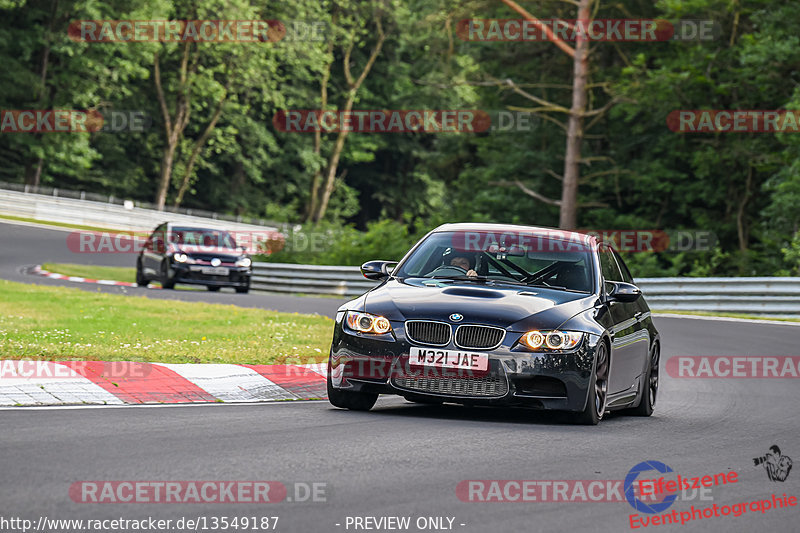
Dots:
(190, 274)
(516, 376)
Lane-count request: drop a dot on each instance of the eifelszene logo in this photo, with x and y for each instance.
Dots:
(777, 466)
(630, 494)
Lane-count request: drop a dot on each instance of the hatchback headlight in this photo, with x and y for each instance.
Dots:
(367, 323)
(551, 340)
(180, 258)
(244, 262)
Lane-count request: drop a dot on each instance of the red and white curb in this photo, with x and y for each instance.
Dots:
(39, 271)
(25, 382)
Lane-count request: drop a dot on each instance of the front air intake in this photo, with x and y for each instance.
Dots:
(428, 332)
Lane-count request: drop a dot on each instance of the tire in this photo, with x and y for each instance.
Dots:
(212, 288)
(344, 399)
(598, 390)
(242, 290)
(141, 281)
(649, 384)
(165, 280)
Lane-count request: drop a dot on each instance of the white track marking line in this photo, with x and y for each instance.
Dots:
(151, 406)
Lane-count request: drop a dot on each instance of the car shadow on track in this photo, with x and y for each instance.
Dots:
(503, 415)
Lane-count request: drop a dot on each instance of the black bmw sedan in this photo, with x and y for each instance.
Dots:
(198, 256)
(485, 314)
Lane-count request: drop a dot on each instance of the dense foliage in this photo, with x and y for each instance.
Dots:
(636, 172)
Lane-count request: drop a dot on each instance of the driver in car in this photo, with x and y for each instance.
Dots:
(463, 262)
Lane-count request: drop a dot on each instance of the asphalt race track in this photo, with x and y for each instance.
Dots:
(403, 459)
(25, 246)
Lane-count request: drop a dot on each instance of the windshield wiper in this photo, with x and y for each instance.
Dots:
(483, 279)
(554, 287)
(462, 278)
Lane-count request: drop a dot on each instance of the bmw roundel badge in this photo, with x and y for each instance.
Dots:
(456, 317)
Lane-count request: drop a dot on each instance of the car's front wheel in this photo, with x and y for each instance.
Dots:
(345, 399)
(598, 390)
(141, 281)
(166, 281)
(212, 288)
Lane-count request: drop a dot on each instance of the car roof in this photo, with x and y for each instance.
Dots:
(550, 233)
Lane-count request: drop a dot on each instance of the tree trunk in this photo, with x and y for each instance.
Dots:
(44, 96)
(173, 129)
(313, 201)
(741, 222)
(37, 175)
(354, 85)
(237, 186)
(330, 180)
(568, 215)
(198, 147)
(166, 173)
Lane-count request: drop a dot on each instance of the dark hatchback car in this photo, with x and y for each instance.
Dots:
(483, 314)
(198, 256)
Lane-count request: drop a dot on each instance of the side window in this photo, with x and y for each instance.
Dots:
(626, 274)
(608, 265)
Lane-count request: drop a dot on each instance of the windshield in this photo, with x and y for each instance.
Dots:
(522, 259)
(202, 237)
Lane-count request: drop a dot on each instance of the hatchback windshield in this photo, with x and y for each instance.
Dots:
(529, 259)
(202, 237)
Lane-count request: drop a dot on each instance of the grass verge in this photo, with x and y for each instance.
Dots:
(724, 314)
(57, 323)
(93, 271)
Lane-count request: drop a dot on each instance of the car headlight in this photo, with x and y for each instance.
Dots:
(244, 262)
(367, 323)
(551, 340)
(180, 258)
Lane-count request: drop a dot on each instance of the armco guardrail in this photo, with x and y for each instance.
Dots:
(761, 296)
(77, 208)
(309, 279)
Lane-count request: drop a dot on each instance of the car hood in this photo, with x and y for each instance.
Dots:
(508, 306)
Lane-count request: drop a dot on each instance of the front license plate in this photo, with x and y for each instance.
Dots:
(215, 271)
(448, 359)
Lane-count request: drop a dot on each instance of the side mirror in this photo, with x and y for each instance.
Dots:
(623, 292)
(377, 270)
